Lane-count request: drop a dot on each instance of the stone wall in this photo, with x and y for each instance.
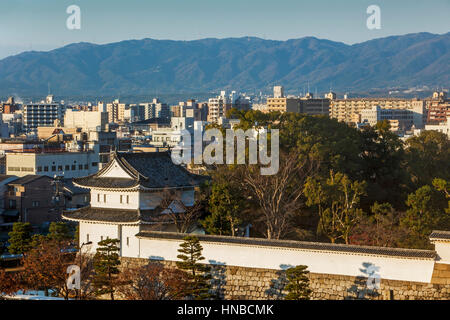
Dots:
(260, 284)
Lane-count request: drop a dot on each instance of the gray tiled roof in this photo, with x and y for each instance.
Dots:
(27, 179)
(111, 215)
(440, 235)
(315, 246)
(148, 169)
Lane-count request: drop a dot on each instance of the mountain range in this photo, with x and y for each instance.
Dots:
(248, 63)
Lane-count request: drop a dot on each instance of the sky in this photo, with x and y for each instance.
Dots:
(41, 24)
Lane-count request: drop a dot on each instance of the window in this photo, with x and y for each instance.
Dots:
(98, 197)
(104, 198)
(128, 199)
(86, 166)
(121, 197)
(53, 168)
(35, 204)
(67, 167)
(74, 167)
(101, 238)
(39, 169)
(12, 204)
(94, 164)
(80, 167)
(59, 168)
(46, 169)
(128, 241)
(87, 237)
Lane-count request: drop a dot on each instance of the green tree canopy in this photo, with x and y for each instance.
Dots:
(337, 199)
(426, 212)
(60, 232)
(428, 157)
(297, 286)
(225, 205)
(20, 238)
(106, 263)
(198, 273)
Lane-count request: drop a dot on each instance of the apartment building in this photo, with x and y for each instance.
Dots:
(349, 110)
(400, 119)
(10, 106)
(86, 120)
(438, 108)
(67, 164)
(218, 107)
(307, 104)
(443, 127)
(314, 106)
(116, 111)
(30, 198)
(283, 104)
(43, 114)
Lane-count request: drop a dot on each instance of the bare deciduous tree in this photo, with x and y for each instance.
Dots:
(279, 196)
(152, 282)
(175, 212)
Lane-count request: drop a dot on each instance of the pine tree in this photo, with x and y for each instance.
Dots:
(225, 205)
(20, 238)
(298, 284)
(198, 273)
(60, 232)
(106, 262)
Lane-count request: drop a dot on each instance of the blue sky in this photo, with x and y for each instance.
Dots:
(41, 24)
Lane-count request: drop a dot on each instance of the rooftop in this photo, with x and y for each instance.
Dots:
(27, 179)
(123, 216)
(154, 170)
(440, 235)
(317, 246)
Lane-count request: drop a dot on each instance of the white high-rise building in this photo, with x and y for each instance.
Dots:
(278, 92)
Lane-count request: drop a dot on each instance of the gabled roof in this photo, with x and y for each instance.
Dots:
(152, 170)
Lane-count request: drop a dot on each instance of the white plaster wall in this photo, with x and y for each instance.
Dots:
(142, 200)
(113, 199)
(115, 171)
(132, 248)
(277, 258)
(443, 251)
(96, 231)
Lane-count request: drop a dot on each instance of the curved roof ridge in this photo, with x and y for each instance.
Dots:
(125, 165)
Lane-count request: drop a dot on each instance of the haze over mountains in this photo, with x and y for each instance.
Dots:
(145, 66)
